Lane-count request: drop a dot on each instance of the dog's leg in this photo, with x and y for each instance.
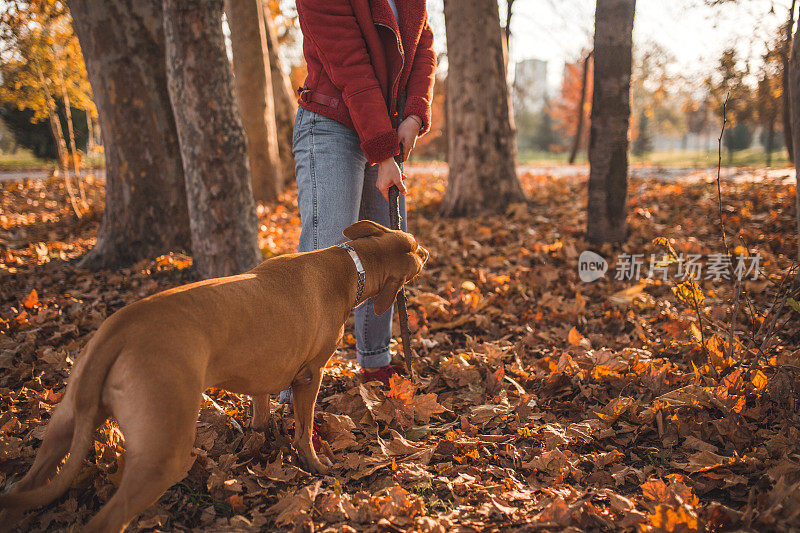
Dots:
(159, 432)
(305, 396)
(56, 443)
(260, 418)
(57, 439)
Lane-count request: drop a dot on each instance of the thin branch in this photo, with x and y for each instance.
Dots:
(719, 171)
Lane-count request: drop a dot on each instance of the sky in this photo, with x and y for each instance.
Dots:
(692, 32)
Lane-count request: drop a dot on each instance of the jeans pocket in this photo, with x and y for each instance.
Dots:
(299, 118)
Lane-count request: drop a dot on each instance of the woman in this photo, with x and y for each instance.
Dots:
(369, 87)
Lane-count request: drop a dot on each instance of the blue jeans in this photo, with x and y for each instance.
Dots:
(336, 188)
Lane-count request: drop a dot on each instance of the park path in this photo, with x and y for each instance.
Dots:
(667, 174)
(13, 175)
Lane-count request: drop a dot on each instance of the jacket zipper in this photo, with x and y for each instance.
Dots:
(393, 103)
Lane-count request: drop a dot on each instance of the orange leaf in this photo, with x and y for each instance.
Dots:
(31, 300)
(237, 502)
(574, 337)
(50, 397)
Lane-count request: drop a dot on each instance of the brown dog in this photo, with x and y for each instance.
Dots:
(256, 333)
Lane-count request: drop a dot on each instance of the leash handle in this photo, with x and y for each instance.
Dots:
(402, 312)
(394, 195)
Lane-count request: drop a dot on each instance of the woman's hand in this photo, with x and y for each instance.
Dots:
(388, 175)
(407, 132)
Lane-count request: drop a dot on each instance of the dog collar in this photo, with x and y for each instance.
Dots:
(362, 275)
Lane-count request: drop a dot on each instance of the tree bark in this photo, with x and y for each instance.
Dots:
(507, 29)
(90, 132)
(770, 140)
(221, 209)
(254, 90)
(786, 107)
(794, 97)
(611, 109)
(284, 99)
(75, 158)
(481, 153)
(576, 142)
(58, 136)
(145, 213)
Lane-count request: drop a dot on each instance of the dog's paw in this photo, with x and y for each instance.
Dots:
(320, 468)
(315, 465)
(259, 423)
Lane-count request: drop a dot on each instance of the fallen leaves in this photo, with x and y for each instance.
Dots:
(544, 403)
(399, 404)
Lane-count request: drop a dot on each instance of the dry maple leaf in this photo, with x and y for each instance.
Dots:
(666, 519)
(502, 289)
(292, 508)
(31, 300)
(400, 403)
(397, 445)
(397, 502)
(337, 430)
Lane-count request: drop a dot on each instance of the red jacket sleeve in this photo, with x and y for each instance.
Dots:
(345, 59)
(419, 89)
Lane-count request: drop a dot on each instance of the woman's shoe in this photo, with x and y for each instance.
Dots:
(381, 374)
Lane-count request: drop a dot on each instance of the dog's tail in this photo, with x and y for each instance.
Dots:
(88, 388)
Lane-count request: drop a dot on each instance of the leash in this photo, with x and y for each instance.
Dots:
(402, 311)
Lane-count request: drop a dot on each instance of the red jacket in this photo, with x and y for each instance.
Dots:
(359, 61)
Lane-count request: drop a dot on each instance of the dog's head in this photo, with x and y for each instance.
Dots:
(404, 259)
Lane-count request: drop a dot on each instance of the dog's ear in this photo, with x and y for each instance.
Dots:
(384, 300)
(364, 228)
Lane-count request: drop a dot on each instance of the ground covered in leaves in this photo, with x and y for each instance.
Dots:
(543, 402)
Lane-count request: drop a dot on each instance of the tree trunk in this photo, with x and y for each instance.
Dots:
(75, 159)
(58, 136)
(511, 120)
(90, 132)
(770, 140)
(611, 110)
(145, 213)
(794, 98)
(576, 142)
(254, 90)
(787, 114)
(480, 143)
(284, 100)
(506, 43)
(507, 29)
(221, 209)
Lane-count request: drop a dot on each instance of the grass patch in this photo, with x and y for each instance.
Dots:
(689, 159)
(25, 160)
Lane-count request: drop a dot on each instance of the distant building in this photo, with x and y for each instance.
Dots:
(530, 85)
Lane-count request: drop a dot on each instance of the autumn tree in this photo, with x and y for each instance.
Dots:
(571, 108)
(782, 50)
(729, 89)
(608, 138)
(697, 114)
(794, 98)
(785, 53)
(768, 96)
(481, 153)
(42, 71)
(253, 78)
(285, 103)
(434, 144)
(212, 140)
(581, 110)
(146, 212)
(657, 97)
(643, 142)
